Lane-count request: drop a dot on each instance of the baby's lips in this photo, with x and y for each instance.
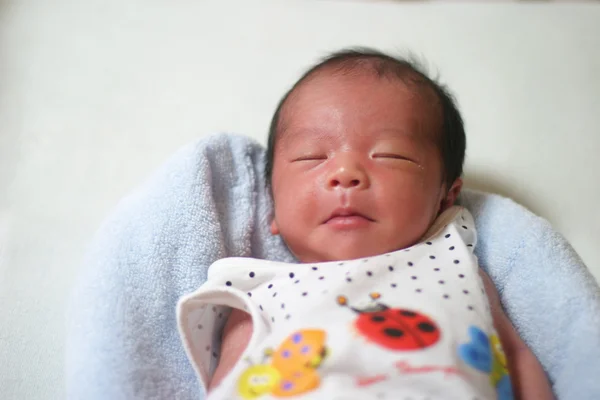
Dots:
(341, 212)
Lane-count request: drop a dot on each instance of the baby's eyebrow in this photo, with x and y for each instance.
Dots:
(288, 133)
(397, 131)
(315, 134)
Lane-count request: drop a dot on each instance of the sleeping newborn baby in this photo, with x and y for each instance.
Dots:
(364, 163)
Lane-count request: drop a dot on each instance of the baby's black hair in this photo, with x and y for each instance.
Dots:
(452, 138)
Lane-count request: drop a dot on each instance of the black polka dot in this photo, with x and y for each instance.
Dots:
(456, 261)
(214, 354)
(469, 245)
(348, 279)
(228, 283)
(314, 268)
(410, 264)
(426, 327)
(464, 227)
(340, 264)
(429, 243)
(260, 306)
(393, 332)
(321, 278)
(272, 319)
(461, 276)
(287, 316)
(249, 294)
(304, 293)
(451, 248)
(413, 277)
(274, 294)
(447, 235)
(446, 296)
(441, 282)
(393, 285)
(200, 326)
(465, 291)
(291, 274)
(432, 257)
(378, 318)
(470, 308)
(369, 273)
(436, 269)
(297, 281)
(419, 290)
(391, 268)
(270, 286)
(408, 313)
(251, 274)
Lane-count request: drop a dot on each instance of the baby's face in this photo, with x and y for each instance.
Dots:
(356, 171)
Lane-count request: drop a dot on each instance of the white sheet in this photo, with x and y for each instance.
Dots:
(94, 94)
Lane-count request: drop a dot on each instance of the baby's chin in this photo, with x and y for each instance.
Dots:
(348, 253)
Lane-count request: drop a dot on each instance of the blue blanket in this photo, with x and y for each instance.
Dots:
(208, 202)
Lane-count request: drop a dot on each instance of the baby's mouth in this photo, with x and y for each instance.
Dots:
(348, 218)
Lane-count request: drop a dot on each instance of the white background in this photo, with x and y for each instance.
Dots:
(95, 94)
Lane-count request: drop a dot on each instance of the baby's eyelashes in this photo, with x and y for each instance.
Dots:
(394, 159)
(317, 157)
(390, 156)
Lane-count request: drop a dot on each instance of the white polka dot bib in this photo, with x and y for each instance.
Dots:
(411, 324)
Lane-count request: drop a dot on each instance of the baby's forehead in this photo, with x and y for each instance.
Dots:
(419, 100)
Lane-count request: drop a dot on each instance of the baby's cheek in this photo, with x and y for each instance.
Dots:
(295, 213)
(410, 218)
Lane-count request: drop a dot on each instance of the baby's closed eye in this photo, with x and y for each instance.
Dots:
(310, 157)
(394, 159)
(392, 156)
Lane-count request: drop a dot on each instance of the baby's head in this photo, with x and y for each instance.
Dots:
(364, 152)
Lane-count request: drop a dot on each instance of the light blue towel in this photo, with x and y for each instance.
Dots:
(208, 202)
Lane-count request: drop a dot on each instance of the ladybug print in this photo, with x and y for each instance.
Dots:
(396, 329)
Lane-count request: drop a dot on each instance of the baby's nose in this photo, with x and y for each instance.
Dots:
(348, 177)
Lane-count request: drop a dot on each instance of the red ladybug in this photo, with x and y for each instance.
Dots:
(395, 328)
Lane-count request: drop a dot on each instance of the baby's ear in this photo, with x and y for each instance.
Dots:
(451, 195)
(274, 227)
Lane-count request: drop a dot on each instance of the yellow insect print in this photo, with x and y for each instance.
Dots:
(499, 365)
(292, 370)
(257, 380)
